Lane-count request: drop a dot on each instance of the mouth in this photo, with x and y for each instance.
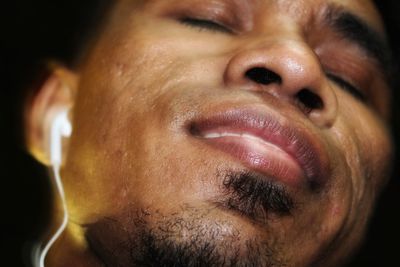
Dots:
(266, 144)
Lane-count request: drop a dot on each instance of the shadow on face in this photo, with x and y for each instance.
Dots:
(212, 132)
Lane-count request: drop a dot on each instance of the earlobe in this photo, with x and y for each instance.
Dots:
(55, 96)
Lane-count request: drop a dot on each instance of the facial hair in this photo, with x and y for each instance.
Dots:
(191, 236)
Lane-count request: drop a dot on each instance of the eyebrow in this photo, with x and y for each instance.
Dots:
(358, 31)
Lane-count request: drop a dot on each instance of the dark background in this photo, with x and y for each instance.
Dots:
(35, 30)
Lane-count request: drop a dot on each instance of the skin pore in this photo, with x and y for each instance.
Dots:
(158, 171)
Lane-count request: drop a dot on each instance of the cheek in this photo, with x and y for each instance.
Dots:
(361, 151)
(125, 95)
(366, 145)
(377, 151)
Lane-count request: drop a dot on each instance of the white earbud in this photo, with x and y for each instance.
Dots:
(61, 127)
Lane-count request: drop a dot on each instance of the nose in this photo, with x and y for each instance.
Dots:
(289, 71)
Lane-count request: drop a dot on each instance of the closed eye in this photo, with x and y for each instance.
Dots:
(205, 24)
(345, 85)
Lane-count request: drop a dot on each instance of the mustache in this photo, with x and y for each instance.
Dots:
(255, 196)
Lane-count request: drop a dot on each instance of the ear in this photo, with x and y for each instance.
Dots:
(55, 94)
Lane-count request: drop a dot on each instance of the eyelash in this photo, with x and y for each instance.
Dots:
(206, 24)
(347, 86)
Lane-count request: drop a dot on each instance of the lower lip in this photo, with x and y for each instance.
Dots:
(261, 156)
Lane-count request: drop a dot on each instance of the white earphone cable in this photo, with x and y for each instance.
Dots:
(60, 127)
(62, 227)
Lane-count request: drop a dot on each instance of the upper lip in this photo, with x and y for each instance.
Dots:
(292, 138)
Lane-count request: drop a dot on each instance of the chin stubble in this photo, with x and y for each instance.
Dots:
(193, 236)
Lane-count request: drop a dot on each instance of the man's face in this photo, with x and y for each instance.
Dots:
(224, 133)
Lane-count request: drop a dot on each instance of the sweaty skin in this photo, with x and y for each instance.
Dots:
(182, 150)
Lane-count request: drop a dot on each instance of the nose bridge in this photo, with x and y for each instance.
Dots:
(297, 71)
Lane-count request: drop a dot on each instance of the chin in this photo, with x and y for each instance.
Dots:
(188, 237)
(246, 224)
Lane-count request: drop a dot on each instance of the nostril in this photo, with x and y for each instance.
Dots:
(263, 76)
(309, 99)
(305, 98)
